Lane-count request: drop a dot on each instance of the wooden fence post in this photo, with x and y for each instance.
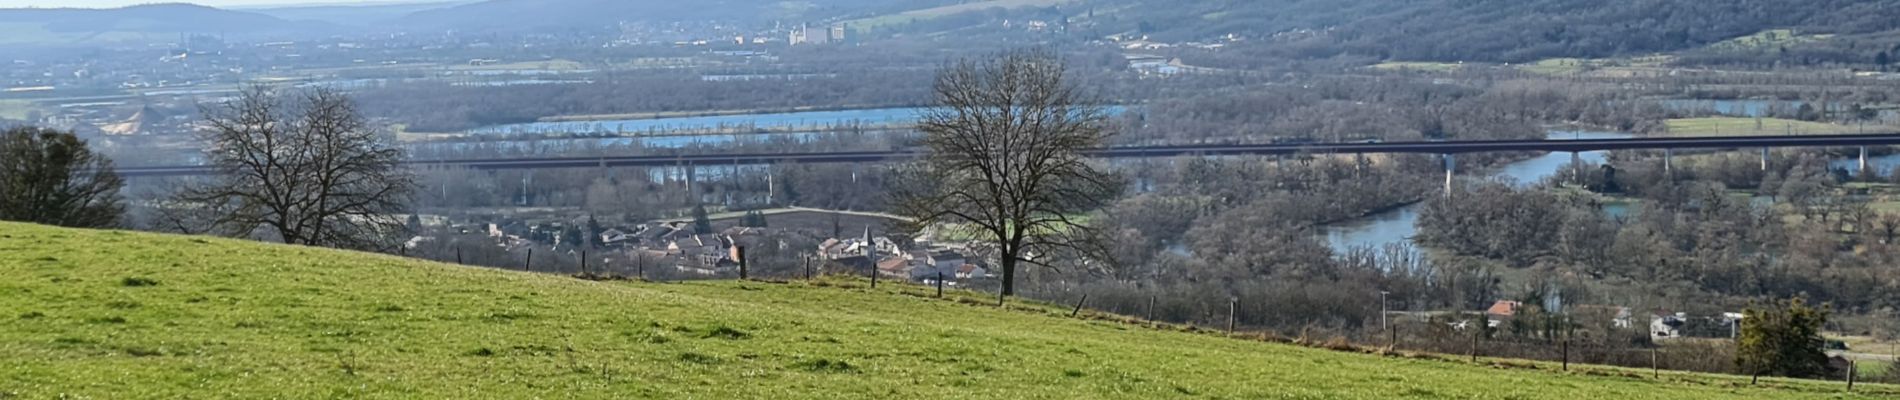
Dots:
(1151, 307)
(1566, 354)
(1474, 341)
(1078, 305)
(1655, 368)
(807, 260)
(583, 263)
(528, 265)
(939, 284)
(744, 266)
(1852, 370)
(458, 254)
(1232, 305)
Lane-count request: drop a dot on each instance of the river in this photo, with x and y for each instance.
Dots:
(800, 120)
(1399, 225)
(787, 120)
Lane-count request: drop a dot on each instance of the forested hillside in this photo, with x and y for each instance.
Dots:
(505, 15)
(1486, 30)
(68, 26)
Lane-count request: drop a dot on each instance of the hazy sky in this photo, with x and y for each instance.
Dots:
(215, 3)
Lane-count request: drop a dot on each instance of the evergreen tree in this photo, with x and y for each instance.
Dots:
(414, 225)
(1783, 339)
(701, 223)
(593, 230)
(571, 237)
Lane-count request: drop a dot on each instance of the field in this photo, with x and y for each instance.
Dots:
(867, 24)
(1608, 67)
(16, 109)
(1767, 40)
(102, 314)
(1419, 66)
(549, 65)
(1743, 126)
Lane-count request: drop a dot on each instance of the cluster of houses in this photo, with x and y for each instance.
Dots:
(714, 254)
(921, 263)
(1663, 325)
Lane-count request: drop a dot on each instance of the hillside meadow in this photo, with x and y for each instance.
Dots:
(110, 315)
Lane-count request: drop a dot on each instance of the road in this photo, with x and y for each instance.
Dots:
(1454, 147)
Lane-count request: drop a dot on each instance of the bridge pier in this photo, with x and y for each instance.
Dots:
(1764, 159)
(526, 178)
(1451, 171)
(1668, 168)
(1863, 159)
(1576, 167)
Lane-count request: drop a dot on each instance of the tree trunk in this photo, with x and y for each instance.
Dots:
(1009, 275)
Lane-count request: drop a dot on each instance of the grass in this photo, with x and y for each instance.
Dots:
(1418, 66)
(1871, 369)
(1609, 67)
(103, 314)
(549, 65)
(867, 24)
(1767, 39)
(1745, 126)
(1557, 66)
(16, 109)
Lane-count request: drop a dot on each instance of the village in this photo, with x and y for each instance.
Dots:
(796, 242)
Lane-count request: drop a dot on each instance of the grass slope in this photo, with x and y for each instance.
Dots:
(100, 314)
(1744, 126)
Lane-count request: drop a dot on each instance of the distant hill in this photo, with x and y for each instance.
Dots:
(111, 315)
(363, 16)
(73, 26)
(507, 15)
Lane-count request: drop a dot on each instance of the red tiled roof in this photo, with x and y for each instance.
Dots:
(893, 265)
(1504, 308)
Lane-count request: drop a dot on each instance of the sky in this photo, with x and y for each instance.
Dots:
(213, 3)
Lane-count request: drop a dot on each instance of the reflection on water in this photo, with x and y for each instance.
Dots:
(1396, 226)
(1881, 166)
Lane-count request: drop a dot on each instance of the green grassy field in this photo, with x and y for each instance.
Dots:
(1767, 39)
(101, 314)
(16, 109)
(1743, 126)
(548, 65)
(1418, 66)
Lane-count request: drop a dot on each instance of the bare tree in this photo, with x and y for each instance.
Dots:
(53, 178)
(1006, 161)
(304, 168)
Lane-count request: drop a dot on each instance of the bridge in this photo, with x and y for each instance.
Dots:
(1445, 148)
